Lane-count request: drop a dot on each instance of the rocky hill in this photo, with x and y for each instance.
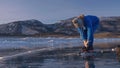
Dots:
(109, 25)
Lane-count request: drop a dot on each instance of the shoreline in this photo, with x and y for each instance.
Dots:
(96, 35)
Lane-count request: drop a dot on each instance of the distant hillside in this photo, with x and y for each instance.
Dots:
(108, 26)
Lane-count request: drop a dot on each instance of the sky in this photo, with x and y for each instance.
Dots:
(51, 11)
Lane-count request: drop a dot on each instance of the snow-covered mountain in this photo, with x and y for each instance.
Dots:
(63, 27)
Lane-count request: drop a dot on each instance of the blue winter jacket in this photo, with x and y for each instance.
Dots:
(90, 23)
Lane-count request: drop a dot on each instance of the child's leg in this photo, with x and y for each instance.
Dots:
(95, 25)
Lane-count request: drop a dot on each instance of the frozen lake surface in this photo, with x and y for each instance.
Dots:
(14, 42)
(102, 61)
(106, 60)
